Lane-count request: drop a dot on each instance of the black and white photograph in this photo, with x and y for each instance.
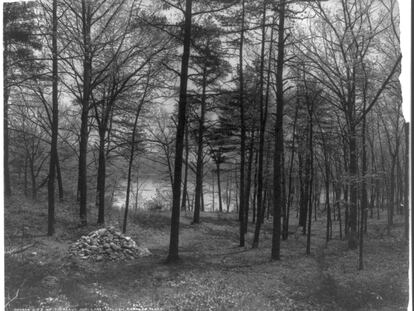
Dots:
(202, 155)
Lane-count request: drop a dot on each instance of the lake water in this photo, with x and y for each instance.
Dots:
(150, 191)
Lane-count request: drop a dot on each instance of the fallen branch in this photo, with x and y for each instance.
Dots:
(15, 296)
(20, 249)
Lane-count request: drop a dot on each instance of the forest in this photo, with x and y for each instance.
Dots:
(204, 155)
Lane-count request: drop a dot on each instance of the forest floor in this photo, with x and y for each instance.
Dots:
(214, 272)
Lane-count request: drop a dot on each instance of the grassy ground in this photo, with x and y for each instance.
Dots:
(214, 273)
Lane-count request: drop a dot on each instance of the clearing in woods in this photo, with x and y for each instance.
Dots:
(214, 273)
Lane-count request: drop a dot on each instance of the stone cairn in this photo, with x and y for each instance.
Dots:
(107, 244)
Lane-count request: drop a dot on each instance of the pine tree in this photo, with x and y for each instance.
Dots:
(19, 63)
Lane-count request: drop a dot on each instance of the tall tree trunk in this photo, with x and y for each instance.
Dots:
(266, 202)
(130, 164)
(353, 171)
(33, 178)
(242, 131)
(277, 165)
(55, 127)
(373, 182)
(219, 190)
(236, 194)
(59, 179)
(316, 197)
(202, 200)
(263, 119)
(391, 198)
(83, 143)
(25, 177)
(406, 182)
(327, 185)
(254, 212)
(310, 176)
(303, 208)
(400, 190)
(364, 194)
(338, 206)
(185, 190)
(179, 142)
(7, 186)
(229, 192)
(213, 192)
(100, 184)
(346, 202)
(327, 203)
(199, 165)
(248, 183)
(285, 222)
(289, 197)
(345, 185)
(136, 193)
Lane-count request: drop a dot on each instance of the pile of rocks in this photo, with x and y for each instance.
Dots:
(107, 244)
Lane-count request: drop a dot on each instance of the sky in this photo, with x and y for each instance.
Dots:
(406, 75)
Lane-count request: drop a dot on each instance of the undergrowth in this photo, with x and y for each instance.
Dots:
(214, 272)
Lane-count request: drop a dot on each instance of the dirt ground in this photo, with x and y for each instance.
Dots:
(213, 274)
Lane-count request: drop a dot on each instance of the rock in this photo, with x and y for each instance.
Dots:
(107, 244)
(143, 252)
(98, 232)
(114, 246)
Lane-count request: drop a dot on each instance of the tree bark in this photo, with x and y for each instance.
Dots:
(228, 193)
(25, 177)
(185, 194)
(55, 126)
(100, 184)
(277, 165)
(213, 192)
(364, 195)
(59, 179)
(254, 212)
(289, 196)
(179, 142)
(406, 182)
(248, 183)
(263, 118)
(7, 185)
(303, 209)
(242, 132)
(219, 190)
(391, 198)
(199, 165)
(327, 202)
(309, 175)
(353, 171)
(83, 143)
(338, 206)
(33, 178)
